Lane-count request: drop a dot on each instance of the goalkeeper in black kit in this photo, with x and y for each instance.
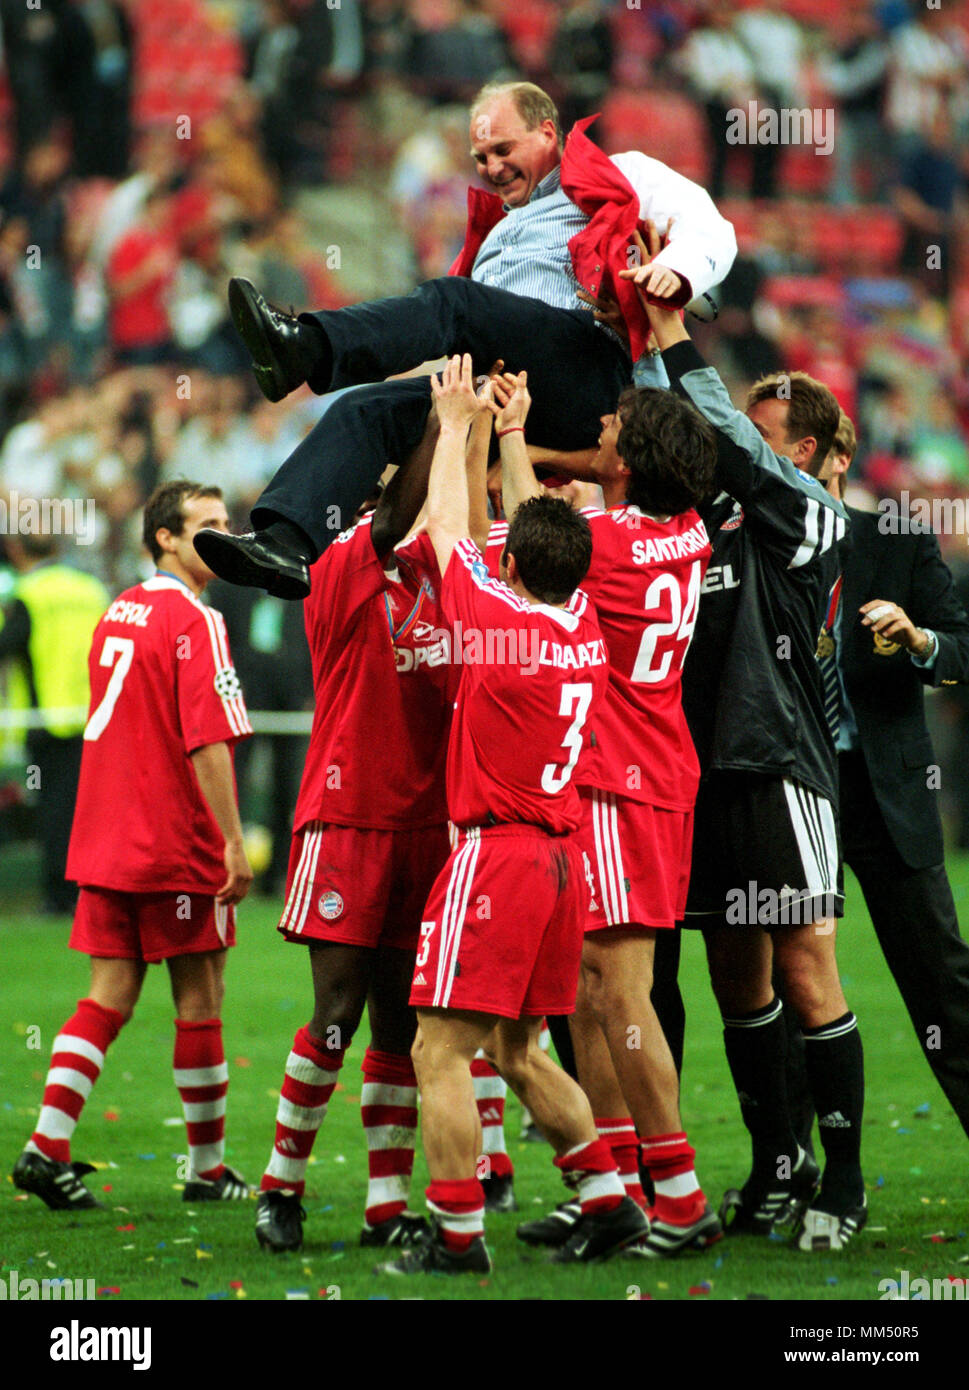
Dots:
(765, 885)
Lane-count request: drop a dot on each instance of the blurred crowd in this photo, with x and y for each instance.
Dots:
(150, 151)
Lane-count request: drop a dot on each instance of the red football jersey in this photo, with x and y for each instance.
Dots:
(381, 682)
(162, 686)
(532, 677)
(645, 582)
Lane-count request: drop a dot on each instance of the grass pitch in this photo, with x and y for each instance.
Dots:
(149, 1245)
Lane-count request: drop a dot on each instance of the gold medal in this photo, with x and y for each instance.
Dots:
(825, 645)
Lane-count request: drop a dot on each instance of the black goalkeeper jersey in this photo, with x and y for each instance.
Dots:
(751, 684)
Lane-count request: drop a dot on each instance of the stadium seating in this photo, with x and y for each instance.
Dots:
(666, 124)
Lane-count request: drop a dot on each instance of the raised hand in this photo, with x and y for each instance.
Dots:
(454, 396)
(511, 400)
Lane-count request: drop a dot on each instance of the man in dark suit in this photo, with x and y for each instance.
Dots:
(888, 649)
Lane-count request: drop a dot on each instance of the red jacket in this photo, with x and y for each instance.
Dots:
(600, 250)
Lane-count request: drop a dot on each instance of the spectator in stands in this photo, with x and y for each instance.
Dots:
(102, 126)
(928, 67)
(40, 44)
(854, 73)
(723, 76)
(931, 198)
(33, 204)
(388, 35)
(138, 276)
(456, 47)
(269, 82)
(581, 59)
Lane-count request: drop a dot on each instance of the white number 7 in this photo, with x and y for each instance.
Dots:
(578, 697)
(122, 651)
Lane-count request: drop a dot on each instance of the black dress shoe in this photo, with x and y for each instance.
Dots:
(256, 561)
(284, 351)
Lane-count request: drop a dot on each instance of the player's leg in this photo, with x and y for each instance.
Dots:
(740, 958)
(365, 343)
(607, 1220)
(102, 922)
(807, 967)
(495, 1168)
(617, 972)
(201, 1072)
(388, 1101)
(446, 1042)
(597, 1077)
(316, 492)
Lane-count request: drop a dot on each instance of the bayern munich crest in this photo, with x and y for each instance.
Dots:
(330, 905)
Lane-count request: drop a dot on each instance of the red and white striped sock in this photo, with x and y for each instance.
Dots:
(596, 1177)
(459, 1208)
(202, 1078)
(668, 1158)
(620, 1134)
(311, 1072)
(76, 1061)
(489, 1096)
(388, 1108)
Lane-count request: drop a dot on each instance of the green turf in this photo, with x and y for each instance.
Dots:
(150, 1245)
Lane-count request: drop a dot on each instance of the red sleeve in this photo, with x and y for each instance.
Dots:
(207, 690)
(472, 596)
(418, 553)
(345, 577)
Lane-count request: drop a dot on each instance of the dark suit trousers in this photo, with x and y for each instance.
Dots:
(915, 920)
(575, 375)
(58, 761)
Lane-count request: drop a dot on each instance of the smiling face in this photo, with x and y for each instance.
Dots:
(607, 460)
(510, 158)
(608, 468)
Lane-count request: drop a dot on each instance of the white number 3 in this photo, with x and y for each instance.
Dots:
(579, 698)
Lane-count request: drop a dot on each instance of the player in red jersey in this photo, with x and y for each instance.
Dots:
(638, 782)
(501, 935)
(156, 848)
(370, 836)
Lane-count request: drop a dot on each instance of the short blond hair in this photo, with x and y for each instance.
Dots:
(532, 104)
(812, 408)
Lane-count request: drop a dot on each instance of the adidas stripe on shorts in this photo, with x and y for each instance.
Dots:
(766, 852)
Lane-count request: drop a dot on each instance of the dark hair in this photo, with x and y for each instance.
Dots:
(812, 409)
(669, 448)
(164, 509)
(552, 546)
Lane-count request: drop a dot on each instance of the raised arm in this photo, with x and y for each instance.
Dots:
(518, 480)
(448, 510)
(702, 245)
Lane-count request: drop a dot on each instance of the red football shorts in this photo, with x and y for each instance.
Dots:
(360, 887)
(150, 926)
(502, 930)
(640, 860)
